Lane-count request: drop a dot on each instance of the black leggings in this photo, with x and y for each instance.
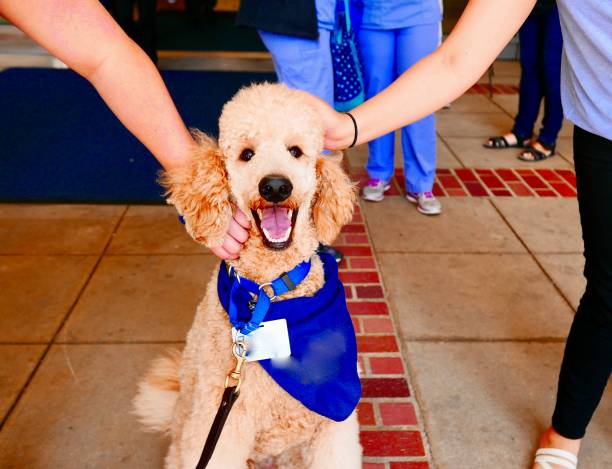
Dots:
(587, 361)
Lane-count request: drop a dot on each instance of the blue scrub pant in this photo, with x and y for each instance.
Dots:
(386, 54)
(303, 64)
(541, 45)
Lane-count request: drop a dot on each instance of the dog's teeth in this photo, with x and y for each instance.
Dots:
(282, 239)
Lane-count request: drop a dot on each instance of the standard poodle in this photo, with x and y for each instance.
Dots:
(269, 164)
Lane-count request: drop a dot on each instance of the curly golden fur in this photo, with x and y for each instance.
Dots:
(181, 393)
(200, 192)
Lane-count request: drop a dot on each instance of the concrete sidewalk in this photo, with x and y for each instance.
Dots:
(461, 318)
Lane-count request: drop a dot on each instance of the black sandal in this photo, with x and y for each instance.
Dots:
(532, 155)
(500, 142)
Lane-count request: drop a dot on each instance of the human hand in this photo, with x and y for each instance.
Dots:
(339, 129)
(236, 236)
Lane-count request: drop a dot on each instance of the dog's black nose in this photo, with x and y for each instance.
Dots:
(275, 188)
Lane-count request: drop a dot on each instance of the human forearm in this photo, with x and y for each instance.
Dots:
(483, 30)
(408, 99)
(86, 38)
(132, 88)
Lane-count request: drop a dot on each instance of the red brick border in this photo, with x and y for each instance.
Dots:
(499, 88)
(483, 182)
(391, 433)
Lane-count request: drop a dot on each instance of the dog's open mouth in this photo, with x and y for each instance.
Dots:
(276, 224)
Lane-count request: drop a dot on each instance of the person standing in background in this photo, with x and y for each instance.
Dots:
(393, 37)
(484, 28)
(297, 34)
(541, 44)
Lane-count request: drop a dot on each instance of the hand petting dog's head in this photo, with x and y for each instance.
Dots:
(269, 164)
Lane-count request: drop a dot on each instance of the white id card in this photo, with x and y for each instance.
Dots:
(271, 340)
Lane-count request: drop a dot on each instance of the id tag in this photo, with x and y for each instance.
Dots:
(271, 340)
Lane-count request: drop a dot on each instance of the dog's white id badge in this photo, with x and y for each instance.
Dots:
(271, 340)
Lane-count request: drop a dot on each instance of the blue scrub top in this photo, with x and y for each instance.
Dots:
(397, 14)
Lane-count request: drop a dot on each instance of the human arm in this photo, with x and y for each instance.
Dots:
(85, 37)
(484, 28)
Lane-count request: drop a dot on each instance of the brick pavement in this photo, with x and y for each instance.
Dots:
(391, 430)
(484, 182)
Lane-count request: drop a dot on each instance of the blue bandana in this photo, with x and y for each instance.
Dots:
(322, 370)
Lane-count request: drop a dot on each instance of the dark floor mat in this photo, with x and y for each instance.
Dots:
(60, 143)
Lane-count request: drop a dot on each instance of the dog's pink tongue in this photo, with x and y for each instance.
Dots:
(276, 221)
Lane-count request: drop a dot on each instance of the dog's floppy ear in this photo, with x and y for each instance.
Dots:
(334, 200)
(200, 192)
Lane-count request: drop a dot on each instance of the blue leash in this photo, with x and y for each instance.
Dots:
(286, 282)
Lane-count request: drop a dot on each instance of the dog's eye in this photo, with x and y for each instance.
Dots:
(247, 154)
(296, 151)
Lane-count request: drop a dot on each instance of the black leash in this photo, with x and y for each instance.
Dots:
(230, 395)
(227, 401)
(286, 282)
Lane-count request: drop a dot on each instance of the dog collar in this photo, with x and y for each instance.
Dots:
(286, 282)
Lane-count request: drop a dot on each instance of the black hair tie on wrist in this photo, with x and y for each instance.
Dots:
(356, 130)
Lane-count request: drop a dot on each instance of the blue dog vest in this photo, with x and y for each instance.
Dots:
(321, 372)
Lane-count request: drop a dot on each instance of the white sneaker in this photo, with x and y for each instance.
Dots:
(426, 202)
(375, 190)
